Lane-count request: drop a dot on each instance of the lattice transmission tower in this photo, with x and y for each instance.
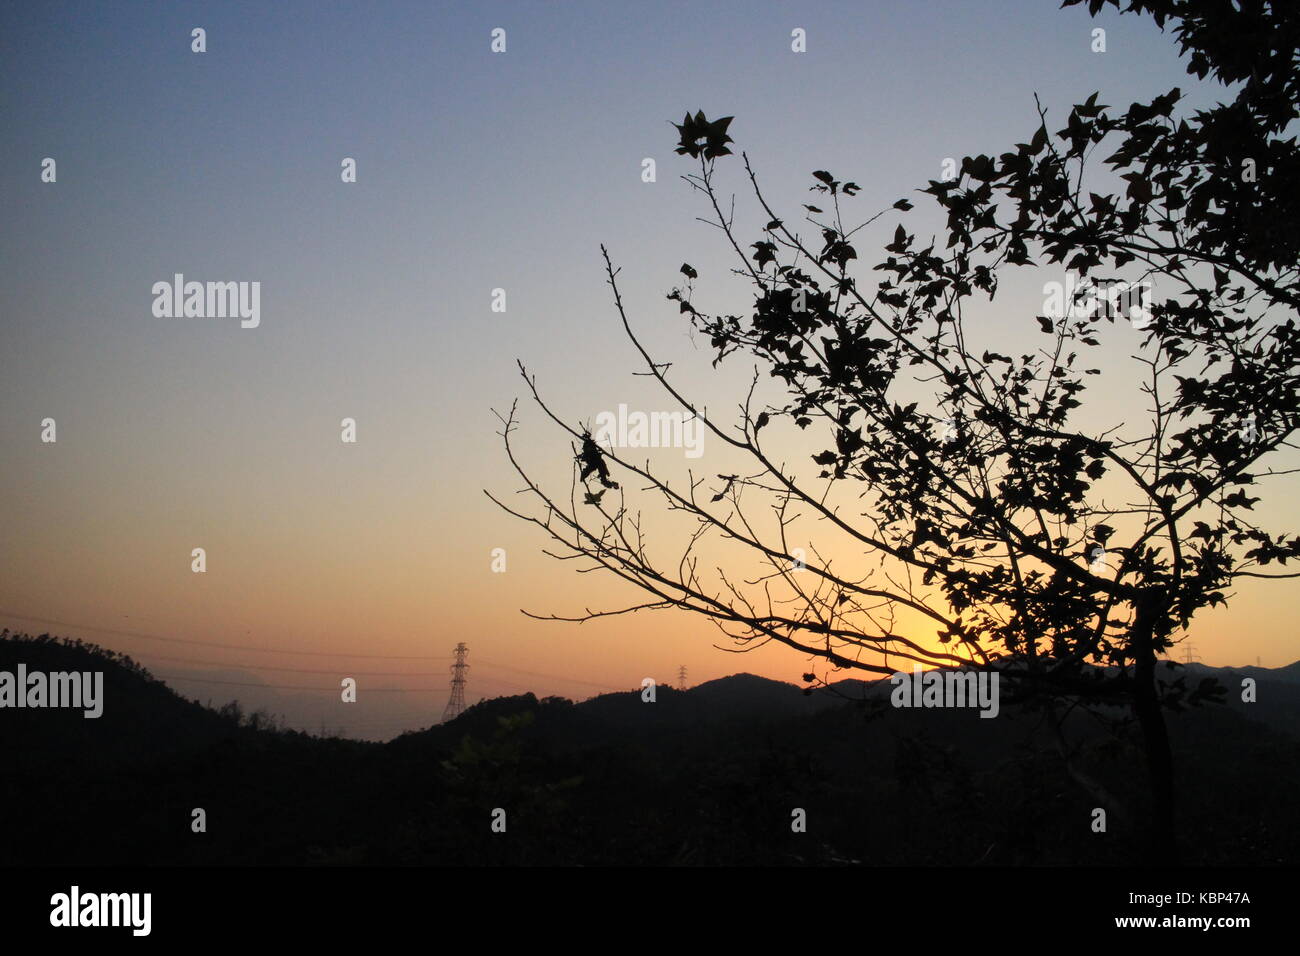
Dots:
(457, 702)
(681, 677)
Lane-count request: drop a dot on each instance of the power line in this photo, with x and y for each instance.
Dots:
(341, 671)
(351, 673)
(237, 683)
(293, 670)
(231, 647)
(330, 688)
(562, 677)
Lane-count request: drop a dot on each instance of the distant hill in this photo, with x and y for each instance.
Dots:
(1277, 700)
(143, 718)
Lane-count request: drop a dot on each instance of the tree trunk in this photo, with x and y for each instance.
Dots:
(1163, 848)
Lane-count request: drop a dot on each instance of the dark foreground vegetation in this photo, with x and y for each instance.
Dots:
(706, 776)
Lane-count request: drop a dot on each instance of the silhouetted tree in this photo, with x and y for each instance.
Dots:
(1032, 535)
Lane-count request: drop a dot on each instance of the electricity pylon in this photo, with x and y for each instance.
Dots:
(681, 677)
(457, 702)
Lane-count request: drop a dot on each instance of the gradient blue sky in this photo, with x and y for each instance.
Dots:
(476, 171)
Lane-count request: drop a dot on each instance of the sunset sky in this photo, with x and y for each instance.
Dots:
(475, 171)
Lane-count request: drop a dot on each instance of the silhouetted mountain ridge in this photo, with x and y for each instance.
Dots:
(706, 775)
